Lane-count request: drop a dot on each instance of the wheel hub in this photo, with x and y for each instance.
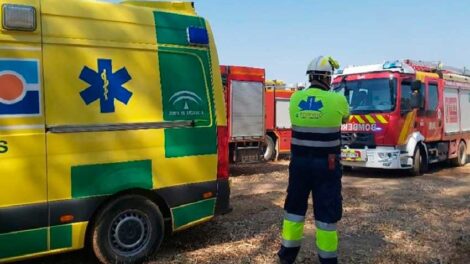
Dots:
(129, 233)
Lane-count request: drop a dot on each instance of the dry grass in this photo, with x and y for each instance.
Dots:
(388, 218)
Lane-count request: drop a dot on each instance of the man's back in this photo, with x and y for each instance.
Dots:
(314, 107)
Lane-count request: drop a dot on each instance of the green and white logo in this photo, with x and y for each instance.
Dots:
(186, 104)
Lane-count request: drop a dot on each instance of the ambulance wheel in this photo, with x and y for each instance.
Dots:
(420, 163)
(461, 159)
(269, 149)
(128, 230)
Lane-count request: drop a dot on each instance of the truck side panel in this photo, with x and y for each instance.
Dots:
(451, 111)
(247, 109)
(465, 108)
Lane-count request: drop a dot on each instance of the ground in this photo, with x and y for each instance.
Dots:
(388, 218)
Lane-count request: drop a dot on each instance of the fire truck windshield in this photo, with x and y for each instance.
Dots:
(369, 95)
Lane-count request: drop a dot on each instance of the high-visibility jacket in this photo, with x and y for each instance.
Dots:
(316, 117)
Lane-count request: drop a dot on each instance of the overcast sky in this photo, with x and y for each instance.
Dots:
(283, 36)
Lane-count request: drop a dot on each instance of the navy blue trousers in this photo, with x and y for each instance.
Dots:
(322, 179)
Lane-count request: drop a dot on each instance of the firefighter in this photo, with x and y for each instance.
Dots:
(316, 114)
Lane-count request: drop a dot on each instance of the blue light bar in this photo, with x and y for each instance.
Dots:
(392, 65)
(198, 36)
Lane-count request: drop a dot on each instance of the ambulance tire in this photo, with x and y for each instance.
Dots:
(128, 230)
(461, 159)
(420, 163)
(269, 150)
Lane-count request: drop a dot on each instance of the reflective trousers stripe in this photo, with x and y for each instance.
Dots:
(292, 230)
(294, 217)
(318, 144)
(291, 243)
(325, 226)
(327, 255)
(327, 241)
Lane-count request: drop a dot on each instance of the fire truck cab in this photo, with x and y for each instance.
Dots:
(405, 115)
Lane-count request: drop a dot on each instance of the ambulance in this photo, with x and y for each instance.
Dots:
(109, 120)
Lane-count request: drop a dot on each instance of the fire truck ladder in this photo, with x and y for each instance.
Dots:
(437, 66)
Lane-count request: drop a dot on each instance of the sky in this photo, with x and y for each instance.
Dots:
(284, 36)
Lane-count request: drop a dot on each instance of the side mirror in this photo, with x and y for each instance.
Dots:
(417, 97)
(415, 101)
(416, 85)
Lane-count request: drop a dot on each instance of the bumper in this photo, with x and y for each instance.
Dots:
(222, 205)
(380, 158)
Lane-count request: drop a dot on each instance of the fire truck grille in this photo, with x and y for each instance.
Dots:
(358, 140)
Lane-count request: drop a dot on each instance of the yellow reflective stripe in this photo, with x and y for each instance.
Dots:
(351, 117)
(327, 241)
(359, 119)
(370, 119)
(381, 119)
(292, 230)
(406, 127)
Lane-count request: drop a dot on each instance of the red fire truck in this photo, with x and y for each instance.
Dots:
(278, 126)
(258, 119)
(405, 115)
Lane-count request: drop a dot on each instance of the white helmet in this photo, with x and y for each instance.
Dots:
(322, 65)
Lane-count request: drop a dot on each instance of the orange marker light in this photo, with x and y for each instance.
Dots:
(207, 195)
(66, 218)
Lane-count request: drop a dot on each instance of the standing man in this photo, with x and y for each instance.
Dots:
(316, 114)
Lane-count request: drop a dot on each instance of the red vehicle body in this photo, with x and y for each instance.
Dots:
(278, 126)
(405, 115)
(258, 119)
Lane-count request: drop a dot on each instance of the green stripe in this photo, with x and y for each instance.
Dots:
(188, 142)
(187, 214)
(292, 230)
(61, 236)
(22, 243)
(110, 178)
(327, 241)
(171, 28)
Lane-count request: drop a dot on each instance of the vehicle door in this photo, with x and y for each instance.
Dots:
(23, 189)
(432, 113)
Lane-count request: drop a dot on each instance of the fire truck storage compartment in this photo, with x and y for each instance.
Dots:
(282, 114)
(247, 120)
(465, 109)
(456, 106)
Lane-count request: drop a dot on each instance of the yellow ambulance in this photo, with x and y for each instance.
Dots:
(109, 122)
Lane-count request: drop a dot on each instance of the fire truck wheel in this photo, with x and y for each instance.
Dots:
(269, 149)
(420, 163)
(461, 159)
(128, 230)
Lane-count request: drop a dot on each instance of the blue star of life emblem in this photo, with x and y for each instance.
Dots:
(311, 104)
(105, 85)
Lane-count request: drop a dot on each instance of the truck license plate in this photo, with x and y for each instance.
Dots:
(352, 155)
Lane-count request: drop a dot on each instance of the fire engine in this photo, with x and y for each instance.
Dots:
(405, 115)
(258, 115)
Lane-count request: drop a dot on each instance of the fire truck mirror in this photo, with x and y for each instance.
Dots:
(417, 96)
(417, 100)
